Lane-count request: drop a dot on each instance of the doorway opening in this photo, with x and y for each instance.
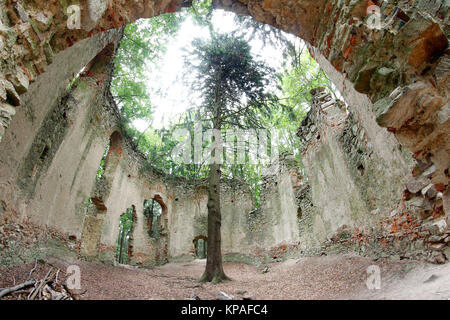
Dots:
(124, 245)
(201, 247)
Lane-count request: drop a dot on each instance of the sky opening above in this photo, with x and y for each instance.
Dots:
(170, 96)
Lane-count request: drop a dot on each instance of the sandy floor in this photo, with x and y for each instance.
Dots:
(331, 277)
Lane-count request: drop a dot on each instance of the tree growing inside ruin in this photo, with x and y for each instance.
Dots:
(142, 49)
(233, 87)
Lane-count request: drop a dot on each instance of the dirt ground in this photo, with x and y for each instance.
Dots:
(329, 277)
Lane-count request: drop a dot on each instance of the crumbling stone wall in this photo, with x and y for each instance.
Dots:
(275, 222)
(53, 182)
(356, 203)
(40, 129)
(189, 217)
(50, 157)
(335, 195)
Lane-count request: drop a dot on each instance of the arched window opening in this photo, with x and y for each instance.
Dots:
(107, 166)
(124, 247)
(153, 212)
(102, 166)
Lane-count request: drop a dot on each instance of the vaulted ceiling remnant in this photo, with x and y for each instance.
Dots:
(382, 47)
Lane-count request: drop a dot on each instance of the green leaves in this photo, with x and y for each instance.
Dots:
(201, 11)
(301, 75)
(225, 85)
(142, 48)
(232, 83)
(141, 51)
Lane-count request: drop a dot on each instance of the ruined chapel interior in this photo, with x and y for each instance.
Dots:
(375, 182)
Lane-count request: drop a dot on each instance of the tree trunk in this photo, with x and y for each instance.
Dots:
(121, 245)
(214, 269)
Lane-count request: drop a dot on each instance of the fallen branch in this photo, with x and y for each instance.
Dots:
(6, 291)
(56, 279)
(32, 270)
(39, 287)
(47, 288)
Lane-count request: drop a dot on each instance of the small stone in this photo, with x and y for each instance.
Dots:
(441, 225)
(394, 257)
(19, 80)
(224, 296)
(437, 238)
(431, 278)
(428, 172)
(9, 33)
(385, 71)
(361, 134)
(393, 213)
(447, 252)
(417, 184)
(21, 11)
(432, 229)
(444, 114)
(437, 257)
(437, 246)
(429, 191)
(8, 93)
(417, 170)
(7, 111)
(420, 206)
(43, 21)
(397, 93)
(419, 244)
